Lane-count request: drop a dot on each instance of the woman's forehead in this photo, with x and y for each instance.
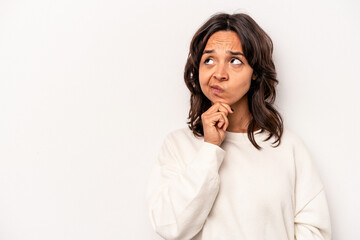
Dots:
(224, 40)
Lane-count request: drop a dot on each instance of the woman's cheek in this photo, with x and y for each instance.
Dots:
(203, 88)
(243, 88)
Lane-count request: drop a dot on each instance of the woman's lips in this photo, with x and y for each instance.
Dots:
(216, 90)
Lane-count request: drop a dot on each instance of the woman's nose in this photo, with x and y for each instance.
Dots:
(221, 73)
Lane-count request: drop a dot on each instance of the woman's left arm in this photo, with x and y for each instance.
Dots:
(312, 218)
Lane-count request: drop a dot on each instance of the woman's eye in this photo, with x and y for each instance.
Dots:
(208, 61)
(236, 61)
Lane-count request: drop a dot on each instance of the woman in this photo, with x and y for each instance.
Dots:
(235, 172)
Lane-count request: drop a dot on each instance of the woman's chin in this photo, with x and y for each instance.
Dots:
(220, 101)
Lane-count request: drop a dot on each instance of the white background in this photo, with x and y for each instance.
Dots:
(88, 90)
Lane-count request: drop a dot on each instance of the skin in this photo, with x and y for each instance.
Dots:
(230, 71)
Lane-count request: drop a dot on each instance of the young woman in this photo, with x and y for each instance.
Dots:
(235, 172)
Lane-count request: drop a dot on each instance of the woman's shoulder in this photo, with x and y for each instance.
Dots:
(182, 142)
(181, 134)
(290, 136)
(178, 131)
(184, 134)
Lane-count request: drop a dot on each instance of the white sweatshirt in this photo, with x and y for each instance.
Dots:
(198, 190)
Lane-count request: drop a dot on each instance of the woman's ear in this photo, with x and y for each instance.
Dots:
(254, 76)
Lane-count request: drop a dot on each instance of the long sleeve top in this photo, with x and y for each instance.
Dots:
(198, 190)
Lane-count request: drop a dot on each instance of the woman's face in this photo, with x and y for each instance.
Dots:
(224, 73)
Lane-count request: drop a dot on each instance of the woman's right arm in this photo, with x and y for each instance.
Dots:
(180, 196)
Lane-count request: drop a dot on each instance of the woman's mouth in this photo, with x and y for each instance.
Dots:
(216, 90)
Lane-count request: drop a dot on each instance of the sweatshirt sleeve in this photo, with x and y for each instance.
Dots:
(180, 196)
(312, 219)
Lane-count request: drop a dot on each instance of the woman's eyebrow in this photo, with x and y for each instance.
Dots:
(231, 52)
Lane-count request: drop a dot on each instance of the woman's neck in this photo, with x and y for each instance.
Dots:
(240, 119)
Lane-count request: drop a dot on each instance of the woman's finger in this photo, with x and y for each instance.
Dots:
(220, 118)
(226, 124)
(227, 106)
(219, 107)
(217, 118)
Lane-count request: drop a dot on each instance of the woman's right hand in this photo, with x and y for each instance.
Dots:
(215, 123)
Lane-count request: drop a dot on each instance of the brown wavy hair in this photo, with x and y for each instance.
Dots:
(258, 49)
